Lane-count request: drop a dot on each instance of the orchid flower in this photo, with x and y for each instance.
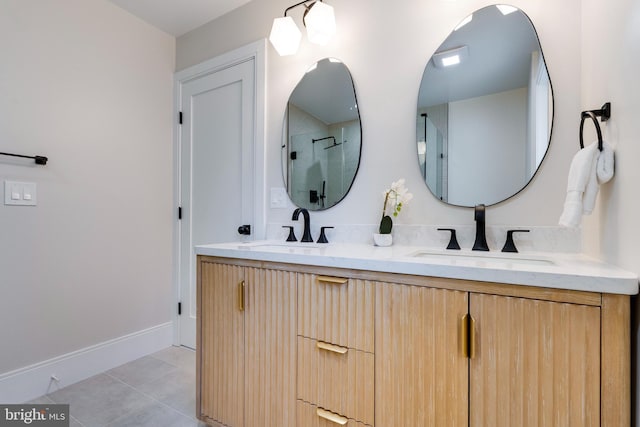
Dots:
(396, 196)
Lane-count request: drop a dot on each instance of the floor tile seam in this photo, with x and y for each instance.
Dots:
(175, 365)
(46, 396)
(152, 397)
(165, 361)
(108, 376)
(77, 420)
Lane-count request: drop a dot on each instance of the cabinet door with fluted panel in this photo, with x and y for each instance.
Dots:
(220, 344)
(420, 362)
(535, 363)
(246, 354)
(270, 348)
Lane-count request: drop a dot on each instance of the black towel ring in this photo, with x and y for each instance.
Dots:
(585, 115)
(604, 113)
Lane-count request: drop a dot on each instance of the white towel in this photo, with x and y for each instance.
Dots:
(582, 186)
(605, 167)
(592, 187)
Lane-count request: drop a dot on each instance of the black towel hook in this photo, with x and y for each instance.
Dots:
(604, 113)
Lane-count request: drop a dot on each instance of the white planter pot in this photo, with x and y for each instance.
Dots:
(383, 239)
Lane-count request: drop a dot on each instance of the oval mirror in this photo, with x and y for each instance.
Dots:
(321, 137)
(485, 109)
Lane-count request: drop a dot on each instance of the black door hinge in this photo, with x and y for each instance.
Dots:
(179, 309)
(179, 212)
(180, 117)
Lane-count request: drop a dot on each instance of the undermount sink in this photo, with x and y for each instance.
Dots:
(502, 258)
(282, 247)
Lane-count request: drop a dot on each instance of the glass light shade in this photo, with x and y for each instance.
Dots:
(321, 23)
(285, 36)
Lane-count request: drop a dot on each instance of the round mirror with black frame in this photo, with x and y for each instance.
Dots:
(322, 137)
(485, 109)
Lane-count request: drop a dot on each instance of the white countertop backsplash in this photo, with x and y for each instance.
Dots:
(539, 239)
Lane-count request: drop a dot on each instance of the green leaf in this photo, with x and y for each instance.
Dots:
(385, 225)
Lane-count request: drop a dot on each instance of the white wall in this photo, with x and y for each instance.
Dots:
(592, 52)
(386, 47)
(610, 64)
(489, 165)
(89, 86)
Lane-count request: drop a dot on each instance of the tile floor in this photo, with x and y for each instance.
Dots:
(153, 391)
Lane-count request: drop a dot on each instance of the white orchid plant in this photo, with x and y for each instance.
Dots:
(395, 197)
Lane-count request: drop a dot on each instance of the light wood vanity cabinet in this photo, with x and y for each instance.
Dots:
(458, 358)
(364, 349)
(246, 366)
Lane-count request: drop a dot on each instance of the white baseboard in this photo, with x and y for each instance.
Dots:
(33, 381)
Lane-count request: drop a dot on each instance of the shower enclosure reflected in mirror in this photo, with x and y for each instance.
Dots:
(321, 141)
(485, 109)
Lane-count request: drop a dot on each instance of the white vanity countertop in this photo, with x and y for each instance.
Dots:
(560, 271)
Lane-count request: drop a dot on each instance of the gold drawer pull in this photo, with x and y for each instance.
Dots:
(331, 347)
(330, 416)
(332, 280)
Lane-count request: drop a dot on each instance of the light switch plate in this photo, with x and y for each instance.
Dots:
(278, 198)
(20, 193)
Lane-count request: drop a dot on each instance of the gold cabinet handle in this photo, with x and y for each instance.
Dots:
(330, 416)
(464, 335)
(468, 336)
(241, 296)
(331, 347)
(472, 337)
(332, 280)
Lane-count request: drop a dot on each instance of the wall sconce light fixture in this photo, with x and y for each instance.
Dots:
(319, 20)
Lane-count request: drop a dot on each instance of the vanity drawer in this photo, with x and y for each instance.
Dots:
(308, 415)
(337, 378)
(337, 310)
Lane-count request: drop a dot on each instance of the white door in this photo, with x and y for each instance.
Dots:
(216, 171)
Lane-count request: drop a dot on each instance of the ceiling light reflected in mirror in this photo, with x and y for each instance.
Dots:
(449, 57)
(506, 9)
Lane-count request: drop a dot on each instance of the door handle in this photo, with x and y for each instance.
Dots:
(241, 296)
(468, 336)
(245, 230)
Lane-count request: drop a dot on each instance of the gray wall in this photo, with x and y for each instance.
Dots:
(89, 86)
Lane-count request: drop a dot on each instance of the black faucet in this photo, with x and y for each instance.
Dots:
(306, 235)
(481, 238)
